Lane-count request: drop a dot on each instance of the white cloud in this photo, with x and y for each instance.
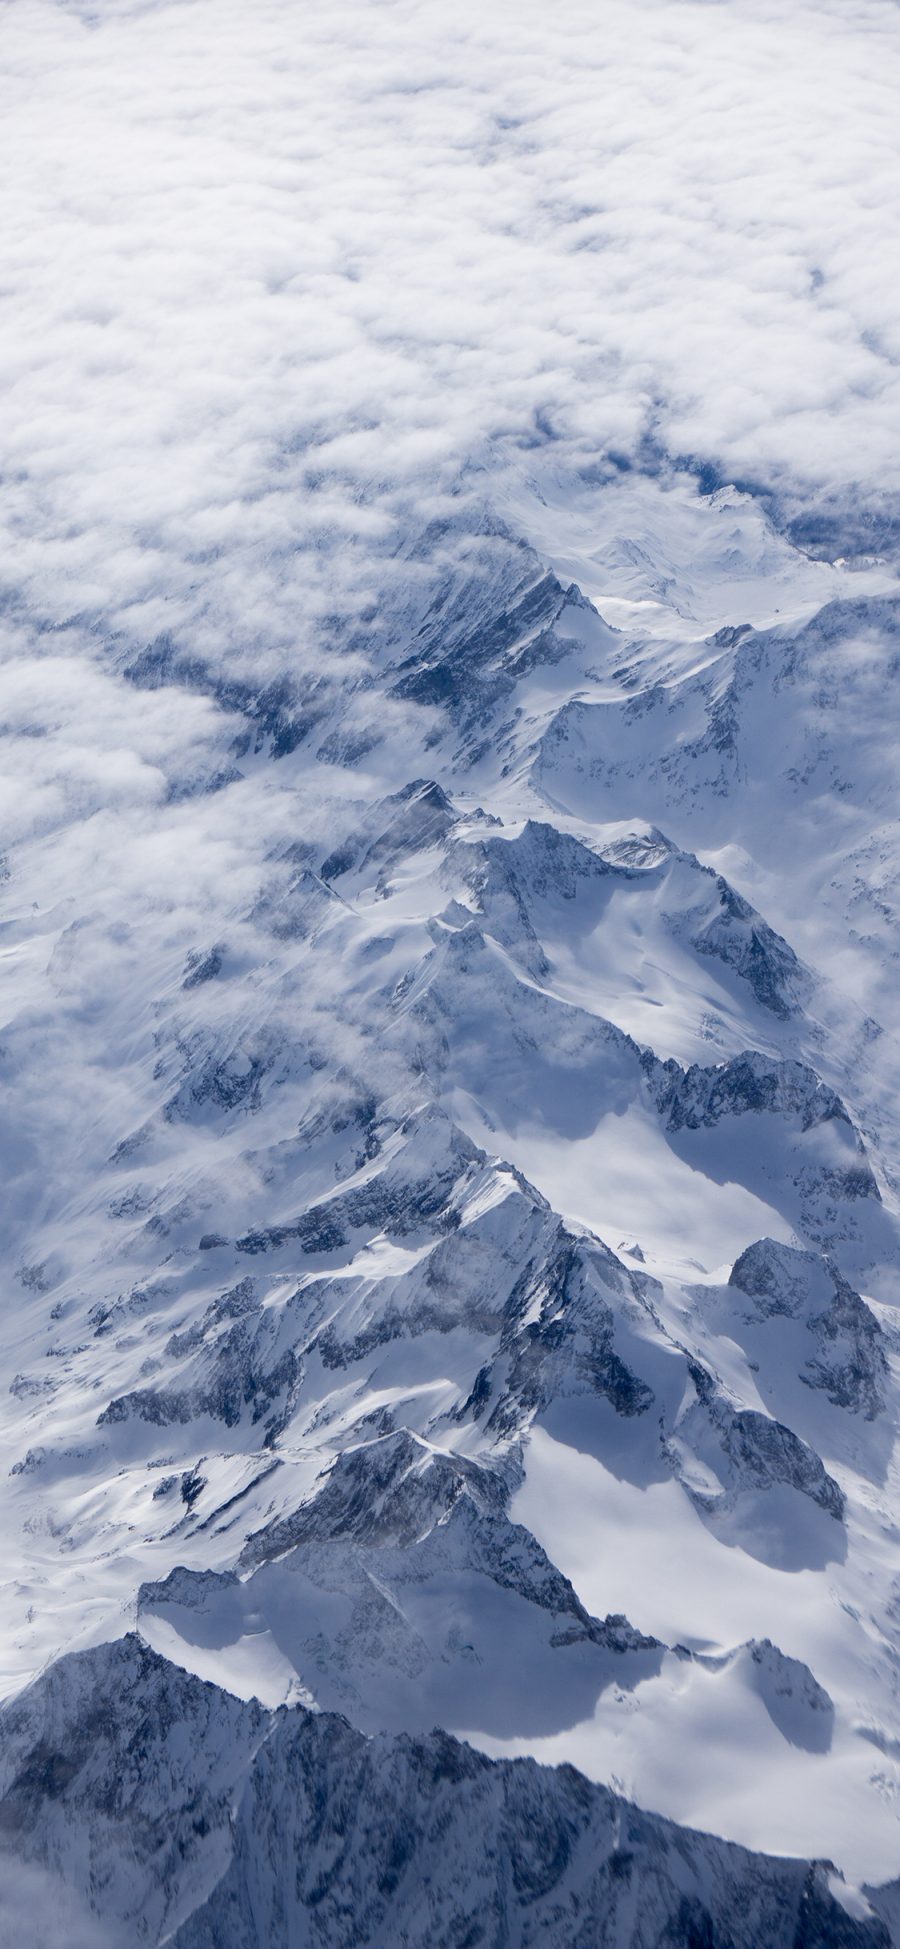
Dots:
(38, 1910)
(269, 269)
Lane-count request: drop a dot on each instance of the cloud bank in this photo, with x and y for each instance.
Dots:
(273, 272)
(281, 280)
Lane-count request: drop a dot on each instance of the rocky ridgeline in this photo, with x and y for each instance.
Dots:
(206, 1821)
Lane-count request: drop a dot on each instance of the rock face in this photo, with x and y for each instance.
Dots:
(518, 881)
(847, 1358)
(206, 1822)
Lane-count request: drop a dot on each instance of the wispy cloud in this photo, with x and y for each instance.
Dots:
(38, 1910)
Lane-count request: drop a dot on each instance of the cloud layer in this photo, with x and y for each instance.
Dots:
(272, 271)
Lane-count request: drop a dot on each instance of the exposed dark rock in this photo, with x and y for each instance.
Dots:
(740, 937)
(203, 967)
(392, 1490)
(847, 1358)
(363, 1840)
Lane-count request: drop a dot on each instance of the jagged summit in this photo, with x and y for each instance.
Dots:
(172, 1800)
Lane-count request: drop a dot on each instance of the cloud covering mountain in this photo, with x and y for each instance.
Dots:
(449, 922)
(269, 274)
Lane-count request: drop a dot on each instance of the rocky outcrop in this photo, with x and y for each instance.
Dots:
(177, 1813)
(738, 935)
(847, 1357)
(746, 1450)
(391, 1490)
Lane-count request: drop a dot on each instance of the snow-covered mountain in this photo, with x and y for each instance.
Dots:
(207, 1820)
(463, 1293)
(449, 939)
